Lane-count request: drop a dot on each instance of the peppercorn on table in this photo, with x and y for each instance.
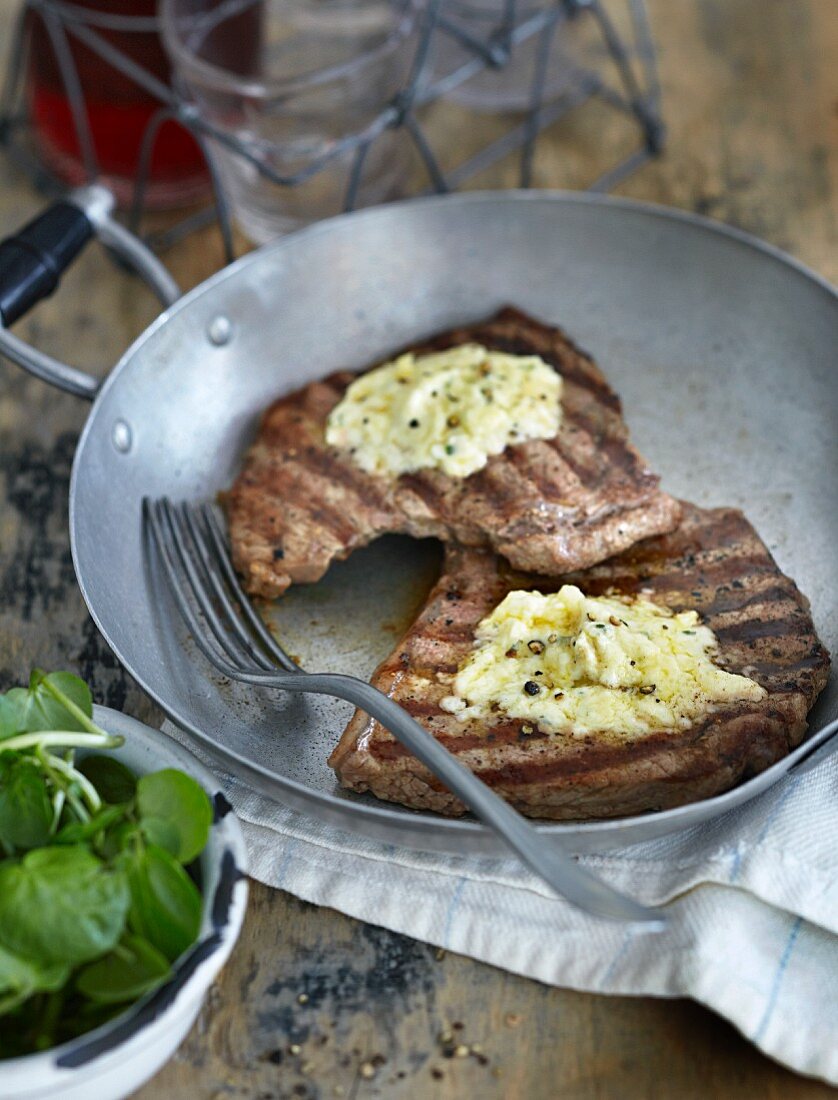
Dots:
(312, 1003)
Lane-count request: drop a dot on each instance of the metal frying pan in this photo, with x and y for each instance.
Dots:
(722, 348)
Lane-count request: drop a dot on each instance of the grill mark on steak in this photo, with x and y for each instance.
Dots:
(588, 475)
(331, 514)
(423, 487)
(578, 765)
(712, 577)
(322, 462)
(735, 602)
(548, 505)
(553, 472)
(714, 562)
(753, 630)
(505, 484)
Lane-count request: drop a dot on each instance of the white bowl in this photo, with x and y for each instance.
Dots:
(115, 1059)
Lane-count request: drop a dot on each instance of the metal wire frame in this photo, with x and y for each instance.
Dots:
(635, 93)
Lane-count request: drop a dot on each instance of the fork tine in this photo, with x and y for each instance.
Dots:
(196, 542)
(170, 568)
(227, 642)
(222, 557)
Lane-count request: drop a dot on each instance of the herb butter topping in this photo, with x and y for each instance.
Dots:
(568, 663)
(450, 410)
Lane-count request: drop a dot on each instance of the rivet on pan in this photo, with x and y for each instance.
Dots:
(220, 330)
(121, 436)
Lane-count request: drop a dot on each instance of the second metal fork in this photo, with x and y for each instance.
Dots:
(234, 639)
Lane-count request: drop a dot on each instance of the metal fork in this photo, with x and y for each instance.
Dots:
(233, 638)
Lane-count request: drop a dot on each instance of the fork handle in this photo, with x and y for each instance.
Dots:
(555, 867)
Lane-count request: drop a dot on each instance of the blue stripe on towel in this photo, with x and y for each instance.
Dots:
(766, 826)
(736, 863)
(772, 816)
(285, 862)
(618, 958)
(778, 978)
(453, 906)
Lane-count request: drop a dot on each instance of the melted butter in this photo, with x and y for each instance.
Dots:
(567, 663)
(450, 410)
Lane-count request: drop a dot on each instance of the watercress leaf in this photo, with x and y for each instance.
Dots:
(163, 833)
(114, 782)
(133, 968)
(25, 808)
(119, 838)
(11, 709)
(34, 709)
(74, 688)
(175, 812)
(20, 978)
(78, 832)
(61, 905)
(165, 902)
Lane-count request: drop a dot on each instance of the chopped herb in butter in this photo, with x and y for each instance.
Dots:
(450, 410)
(569, 663)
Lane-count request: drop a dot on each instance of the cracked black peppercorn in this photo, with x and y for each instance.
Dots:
(531, 687)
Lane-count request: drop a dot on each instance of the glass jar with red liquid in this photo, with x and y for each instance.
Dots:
(117, 108)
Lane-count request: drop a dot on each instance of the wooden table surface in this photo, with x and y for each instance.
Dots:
(751, 112)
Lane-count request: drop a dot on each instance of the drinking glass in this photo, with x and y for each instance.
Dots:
(116, 108)
(317, 73)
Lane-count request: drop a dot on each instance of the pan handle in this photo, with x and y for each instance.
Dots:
(31, 264)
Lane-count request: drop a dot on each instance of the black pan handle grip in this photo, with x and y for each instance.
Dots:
(32, 261)
(31, 264)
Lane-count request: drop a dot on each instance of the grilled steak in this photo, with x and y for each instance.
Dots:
(547, 505)
(714, 563)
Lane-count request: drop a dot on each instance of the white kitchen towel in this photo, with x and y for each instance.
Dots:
(752, 899)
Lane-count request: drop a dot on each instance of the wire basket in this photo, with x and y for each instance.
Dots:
(625, 81)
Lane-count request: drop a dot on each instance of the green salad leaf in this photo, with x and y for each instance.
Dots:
(125, 974)
(61, 905)
(165, 902)
(119, 839)
(175, 813)
(20, 978)
(26, 810)
(78, 832)
(57, 701)
(114, 782)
